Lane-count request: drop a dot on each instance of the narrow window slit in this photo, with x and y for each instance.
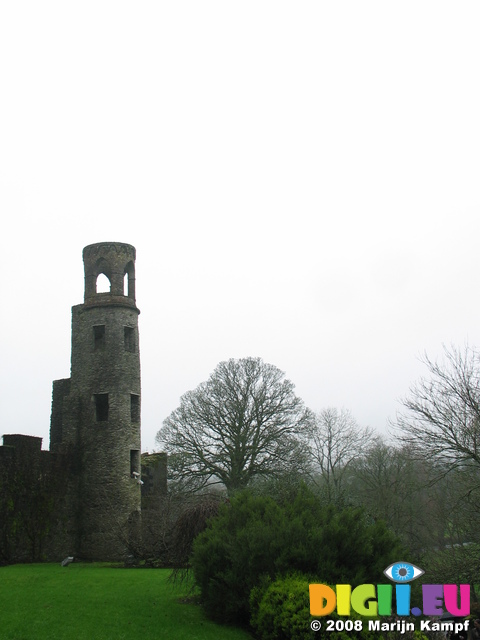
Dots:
(99, 337)
(101, 407)
(134, 407)
(135, 463)
(129, 339)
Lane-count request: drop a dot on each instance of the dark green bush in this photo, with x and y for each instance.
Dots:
(340, 545)
(254, 537)
(239, 546)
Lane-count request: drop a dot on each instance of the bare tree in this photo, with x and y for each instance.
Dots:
(244, 422)
(441, 421)
(395, 487)
(337, 441)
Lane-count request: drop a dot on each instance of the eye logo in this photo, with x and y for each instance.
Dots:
(403, 572)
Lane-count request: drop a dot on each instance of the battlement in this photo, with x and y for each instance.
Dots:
(21, 443)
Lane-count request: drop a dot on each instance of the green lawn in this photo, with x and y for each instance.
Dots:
(98, 602)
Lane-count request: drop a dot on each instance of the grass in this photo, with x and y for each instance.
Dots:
(99, 602)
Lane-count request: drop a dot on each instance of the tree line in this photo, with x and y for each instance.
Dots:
(246, 427)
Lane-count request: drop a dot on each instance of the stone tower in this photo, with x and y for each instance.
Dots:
(96, 412)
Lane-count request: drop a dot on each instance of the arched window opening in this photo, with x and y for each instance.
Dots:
(103, 284)
(129, 281)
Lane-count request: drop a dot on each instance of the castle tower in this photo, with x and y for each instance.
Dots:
(96, 413)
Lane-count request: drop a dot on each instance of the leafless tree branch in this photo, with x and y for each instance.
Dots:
(244, 422)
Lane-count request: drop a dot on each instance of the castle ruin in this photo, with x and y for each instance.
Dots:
(95, 451)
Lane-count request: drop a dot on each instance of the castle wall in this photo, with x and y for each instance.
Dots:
(34, 487)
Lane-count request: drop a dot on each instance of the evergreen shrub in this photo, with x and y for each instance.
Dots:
(254, 537)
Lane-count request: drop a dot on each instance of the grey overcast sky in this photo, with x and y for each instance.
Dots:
(300, 180)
